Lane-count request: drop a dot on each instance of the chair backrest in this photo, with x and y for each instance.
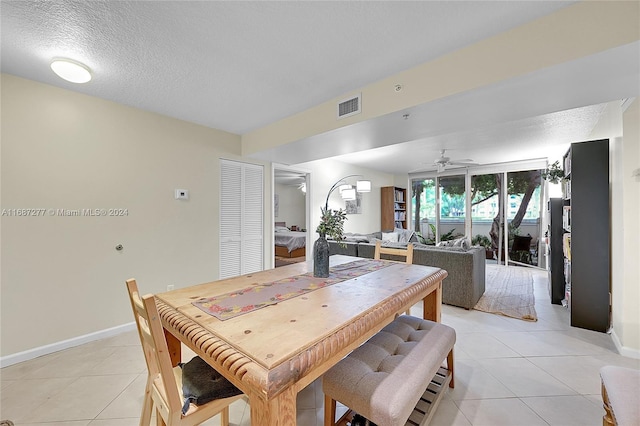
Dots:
(407, 253)
(154, 345)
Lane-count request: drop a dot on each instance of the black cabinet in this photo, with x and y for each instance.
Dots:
(587, 167)
(556, 258)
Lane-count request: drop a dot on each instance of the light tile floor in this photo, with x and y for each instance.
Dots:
(508, 372)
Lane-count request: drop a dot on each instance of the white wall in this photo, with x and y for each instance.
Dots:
(61, 276)
(291, 205)
(626, 290)
(324, 173)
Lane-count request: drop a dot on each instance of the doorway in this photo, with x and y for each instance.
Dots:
(290, 215)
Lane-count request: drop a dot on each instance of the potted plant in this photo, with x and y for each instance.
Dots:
(332, 226)
(483, 241)
(553, 173)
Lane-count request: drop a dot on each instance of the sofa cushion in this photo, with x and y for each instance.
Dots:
(405, 235)
(458, 242)
(389, 237)
(356, 238)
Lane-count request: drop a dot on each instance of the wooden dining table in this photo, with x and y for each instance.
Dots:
(274, 351)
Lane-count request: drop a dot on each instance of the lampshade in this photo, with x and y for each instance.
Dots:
(363, 186)
(72, 71)
(344, 187)
(349, 194)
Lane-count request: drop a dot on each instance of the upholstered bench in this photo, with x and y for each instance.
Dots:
(620, 395)
(395, 376)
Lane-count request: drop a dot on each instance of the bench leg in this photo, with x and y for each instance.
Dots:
(450, 367)
(607, 419)
(329, 411)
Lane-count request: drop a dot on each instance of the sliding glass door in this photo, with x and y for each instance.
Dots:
(497, 209)
(523, 211)
(485, 212)
(438, 207)
(452, 196)
(423, 208)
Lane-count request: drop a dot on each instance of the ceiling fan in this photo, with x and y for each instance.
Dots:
(443, 161)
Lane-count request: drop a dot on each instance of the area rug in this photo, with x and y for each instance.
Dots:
(508, 292)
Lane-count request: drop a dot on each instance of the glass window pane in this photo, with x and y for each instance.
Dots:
(485, 211)
(423, 207)
(452, 207)
(523, 215)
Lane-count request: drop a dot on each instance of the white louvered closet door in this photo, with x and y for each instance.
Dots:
(241, 218)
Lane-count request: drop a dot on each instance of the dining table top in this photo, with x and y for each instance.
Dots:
(269, 349)
(272, 334)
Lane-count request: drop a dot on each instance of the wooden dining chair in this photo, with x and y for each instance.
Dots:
(406, 253)
(164, 383)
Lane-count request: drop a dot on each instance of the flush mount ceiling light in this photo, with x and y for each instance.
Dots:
(70, 70)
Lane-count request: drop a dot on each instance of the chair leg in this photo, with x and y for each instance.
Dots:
(450, 367)
(147, 405)
(607, 419)
(224, 416)
(329, 411)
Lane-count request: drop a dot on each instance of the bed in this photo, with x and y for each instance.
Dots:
(289, 243)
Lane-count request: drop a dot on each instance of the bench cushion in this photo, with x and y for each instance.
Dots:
(623, 387)
(384, 378)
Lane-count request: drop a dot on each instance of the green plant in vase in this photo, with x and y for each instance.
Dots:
(553, 173)
(332, 224)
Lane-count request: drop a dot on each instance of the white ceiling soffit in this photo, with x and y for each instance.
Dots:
(504, 115)
(238, 66)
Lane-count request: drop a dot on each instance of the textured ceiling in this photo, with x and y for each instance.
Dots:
(238, 66)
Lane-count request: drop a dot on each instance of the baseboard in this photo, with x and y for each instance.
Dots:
(623, 350)
(8, 360)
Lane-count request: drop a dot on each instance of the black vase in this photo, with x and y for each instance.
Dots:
(321, 257)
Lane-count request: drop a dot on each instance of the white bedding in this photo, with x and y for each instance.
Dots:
(291, 239)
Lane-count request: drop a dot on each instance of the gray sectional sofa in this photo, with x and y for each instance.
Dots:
(463, 286)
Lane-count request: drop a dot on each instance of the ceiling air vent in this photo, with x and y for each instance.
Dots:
(349, 107)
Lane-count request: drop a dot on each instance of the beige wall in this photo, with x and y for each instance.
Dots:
(61, 276)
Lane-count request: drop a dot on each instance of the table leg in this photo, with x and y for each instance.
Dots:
(432, 304)
(280, 411)
(175, 350)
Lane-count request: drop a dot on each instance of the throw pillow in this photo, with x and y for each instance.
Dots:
(444, 244)
(461, 242)
(405, 235)
(389, 237)
(201, 383)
